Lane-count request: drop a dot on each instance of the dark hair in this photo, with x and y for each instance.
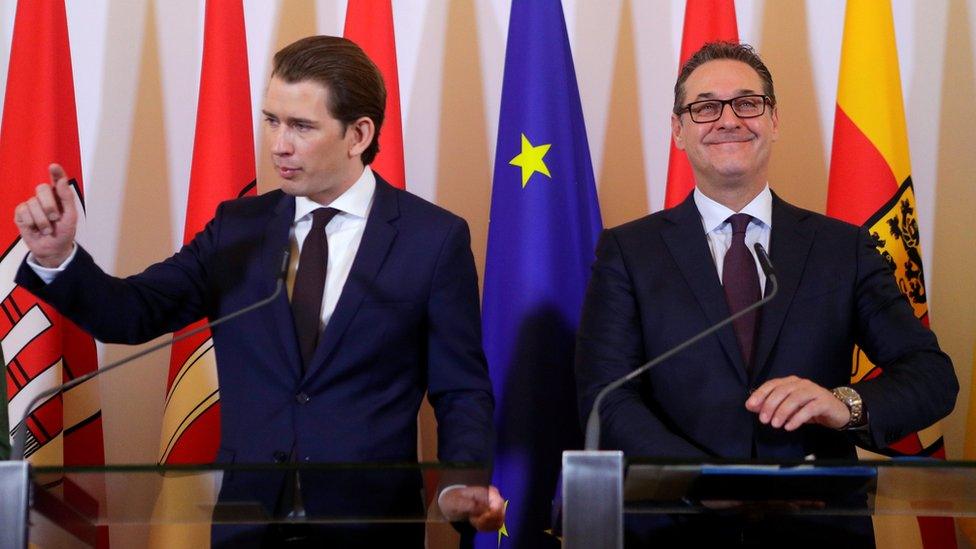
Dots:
(722, 50)
(355, 86)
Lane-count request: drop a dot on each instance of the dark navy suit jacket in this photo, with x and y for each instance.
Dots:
(407, 321)
(654, 284)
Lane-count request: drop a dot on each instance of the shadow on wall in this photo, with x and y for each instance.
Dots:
(536, 440)
(296, 19)
(798, 167)
(621, 180)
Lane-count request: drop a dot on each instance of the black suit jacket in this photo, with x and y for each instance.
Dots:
(654, 284)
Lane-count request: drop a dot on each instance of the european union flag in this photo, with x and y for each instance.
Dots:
(543, 229)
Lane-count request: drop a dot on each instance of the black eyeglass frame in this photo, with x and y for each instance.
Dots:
(687, 108)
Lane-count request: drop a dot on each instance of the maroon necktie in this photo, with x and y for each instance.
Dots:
(741, 282)
(306, 296)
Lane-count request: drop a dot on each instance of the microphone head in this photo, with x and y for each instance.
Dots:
(285, 256)
(764, 262)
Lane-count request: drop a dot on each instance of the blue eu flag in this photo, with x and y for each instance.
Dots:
(542, 232)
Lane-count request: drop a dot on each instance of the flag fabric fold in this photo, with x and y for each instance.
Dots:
(705, 21)
(369, 23)
(543, 226)
(870, 185)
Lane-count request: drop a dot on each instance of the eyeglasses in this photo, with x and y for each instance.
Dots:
(710, 110)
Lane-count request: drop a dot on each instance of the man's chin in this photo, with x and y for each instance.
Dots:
(732, 170)
(290, 187)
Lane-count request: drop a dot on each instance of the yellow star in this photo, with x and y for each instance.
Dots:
(531, 160)
(503, 531)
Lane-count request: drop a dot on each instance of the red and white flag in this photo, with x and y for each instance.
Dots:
(705, 21)
(41, 348)
(369, 23)
(222, 169)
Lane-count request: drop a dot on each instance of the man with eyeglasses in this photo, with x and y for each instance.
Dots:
(775, 384)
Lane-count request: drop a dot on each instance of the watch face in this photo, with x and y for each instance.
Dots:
(852, 400)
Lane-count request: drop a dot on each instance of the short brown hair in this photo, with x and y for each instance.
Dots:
(354, 83)
(722, 50)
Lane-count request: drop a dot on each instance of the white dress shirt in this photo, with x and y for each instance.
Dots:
(718, 230)
(344, 233)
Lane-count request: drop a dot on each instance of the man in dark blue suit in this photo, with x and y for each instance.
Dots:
(384, 307)
(774, 385)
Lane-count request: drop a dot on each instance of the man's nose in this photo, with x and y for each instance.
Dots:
(280, 142)
(728, 118)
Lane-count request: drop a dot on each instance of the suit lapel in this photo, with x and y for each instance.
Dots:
(789, 244)
(276, 238)
(688, 245)
(373, 248)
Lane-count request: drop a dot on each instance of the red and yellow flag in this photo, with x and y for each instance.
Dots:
(871, 185)
(222, 169)
(705, 21)
(369, 23)
(41, 348)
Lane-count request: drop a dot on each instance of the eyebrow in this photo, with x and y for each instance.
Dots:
(743, 91)
(291, 120)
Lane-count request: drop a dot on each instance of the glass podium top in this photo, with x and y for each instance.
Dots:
(250, 493)
(925, 487)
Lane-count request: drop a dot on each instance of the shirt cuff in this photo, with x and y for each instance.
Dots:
(48, 274)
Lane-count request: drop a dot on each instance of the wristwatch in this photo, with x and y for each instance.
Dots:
(854, 404)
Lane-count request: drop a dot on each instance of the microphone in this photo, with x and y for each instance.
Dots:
(20, 436)
(593, 421)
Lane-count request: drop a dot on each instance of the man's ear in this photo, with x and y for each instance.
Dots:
(360, 135)
(676, 129)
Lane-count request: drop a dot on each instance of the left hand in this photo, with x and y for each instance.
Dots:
(789, 402)
(483, 507)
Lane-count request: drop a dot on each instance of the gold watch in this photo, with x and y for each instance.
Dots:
(854, 404)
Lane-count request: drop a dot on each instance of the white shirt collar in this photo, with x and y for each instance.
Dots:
(714, 214)
(355, 201)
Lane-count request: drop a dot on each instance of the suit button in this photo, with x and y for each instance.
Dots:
(280, 457)
(302, 398)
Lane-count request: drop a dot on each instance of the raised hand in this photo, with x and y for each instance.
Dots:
(48, 220)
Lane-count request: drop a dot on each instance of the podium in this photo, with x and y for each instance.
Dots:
(66, 506)
(601, 487)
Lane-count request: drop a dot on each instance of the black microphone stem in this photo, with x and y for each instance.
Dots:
(20, 436)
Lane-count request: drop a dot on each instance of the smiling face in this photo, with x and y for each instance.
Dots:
(313, 153)
(731, 153)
